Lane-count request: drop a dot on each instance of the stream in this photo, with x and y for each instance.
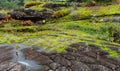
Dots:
(19, 56)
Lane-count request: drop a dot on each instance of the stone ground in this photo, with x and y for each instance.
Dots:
(76, 58)
(6, 54)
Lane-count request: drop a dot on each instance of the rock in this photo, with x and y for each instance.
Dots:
(30, 14)
(78, 66)
(6, 53)
(104, 19)
(11, 66)
(115, 19)
(99, 68)
(61, 60)
(45, 68)
(44, 60)
(2, 16)
(54, 65)
(69, 56)
(62, 69)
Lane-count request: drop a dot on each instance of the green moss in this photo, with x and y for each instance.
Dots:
(111, 53)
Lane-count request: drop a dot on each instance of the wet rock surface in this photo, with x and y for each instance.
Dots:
(6, 54)
(77, 58)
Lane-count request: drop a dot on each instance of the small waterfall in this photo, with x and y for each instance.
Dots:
(19, 57)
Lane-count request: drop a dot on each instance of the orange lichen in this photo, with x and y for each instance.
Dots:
(27, 22)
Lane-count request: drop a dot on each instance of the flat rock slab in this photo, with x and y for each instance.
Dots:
(11, 66)
(6, 53)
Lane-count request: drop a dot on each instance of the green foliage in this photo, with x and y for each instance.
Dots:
(111, 53)
(113, 30)
(9, 4)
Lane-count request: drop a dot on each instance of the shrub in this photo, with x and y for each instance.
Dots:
(8, 4)
(32, 3)
(113, 30)
(61, 13)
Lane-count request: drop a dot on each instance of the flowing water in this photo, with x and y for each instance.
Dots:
(19, 56)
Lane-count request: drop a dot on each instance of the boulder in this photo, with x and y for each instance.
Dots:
(2, 16)
(30, 14)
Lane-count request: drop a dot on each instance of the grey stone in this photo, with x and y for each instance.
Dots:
(11, 66)
(44, 68)
(100, 68)
(62, 69)
(6, 53)
(61, 60)
(54, 65)
(78, 66)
